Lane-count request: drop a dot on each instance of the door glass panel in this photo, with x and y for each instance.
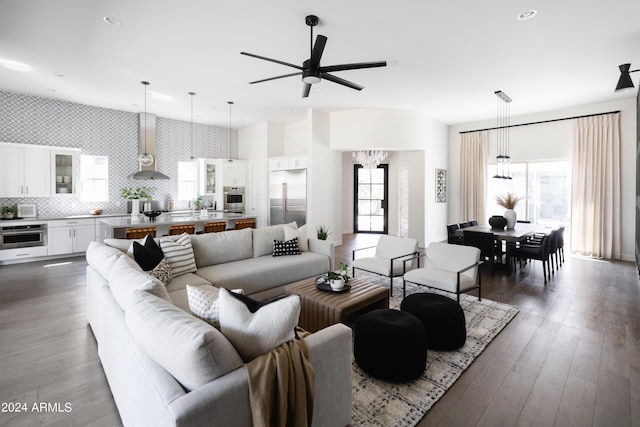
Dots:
(370, 203)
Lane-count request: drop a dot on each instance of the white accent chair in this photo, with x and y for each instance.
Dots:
(450, 268)
(390, 253)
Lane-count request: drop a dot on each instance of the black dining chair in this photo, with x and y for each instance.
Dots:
(490, 249)
(452, 238)
(465, 224)
(535, 250)
(473, 222)
(561, 244)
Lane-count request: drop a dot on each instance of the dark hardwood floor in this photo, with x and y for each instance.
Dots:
(570, 357)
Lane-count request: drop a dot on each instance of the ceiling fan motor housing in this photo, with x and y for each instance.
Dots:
(308, 75)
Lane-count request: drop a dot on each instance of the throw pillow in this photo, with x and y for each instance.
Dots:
(255, 333)
(179, 254)
(301, 233)
(288, 247)
(162, 272)
(149, 255)
(204, 304)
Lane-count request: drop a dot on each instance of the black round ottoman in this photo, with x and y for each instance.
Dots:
(442, 317)
(390, 345)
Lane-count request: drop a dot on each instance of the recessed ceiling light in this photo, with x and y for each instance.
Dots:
(14, 65)
(161, 96)
(529, 14)
(112, 21)
(58, 74)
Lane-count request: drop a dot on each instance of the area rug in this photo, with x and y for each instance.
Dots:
(381, 403)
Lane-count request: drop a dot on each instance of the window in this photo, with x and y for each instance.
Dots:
(187, 180)
(546, 186)
(94, 178)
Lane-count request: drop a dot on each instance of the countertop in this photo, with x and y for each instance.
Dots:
(172, 218)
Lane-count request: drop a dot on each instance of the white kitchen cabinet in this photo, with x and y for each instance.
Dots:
(63, 179)
(208, 177)
(25, 171)
(287, 163)
(235, 176)
(18, 254)
(69, 236)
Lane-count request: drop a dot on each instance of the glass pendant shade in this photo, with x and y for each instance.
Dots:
(145, 159)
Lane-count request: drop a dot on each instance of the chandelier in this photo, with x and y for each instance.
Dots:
(503, 112)
(369, 159)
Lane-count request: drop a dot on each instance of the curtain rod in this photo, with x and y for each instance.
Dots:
(540, 122)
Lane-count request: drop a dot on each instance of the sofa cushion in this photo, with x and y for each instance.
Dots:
(102, 257)
(288, 247)
(301, 233)
(181, 282)
(263, 239)
(179, 254)
(126, 276)
(258, 274)
(191, 350)
(255, 333)
(219, 248)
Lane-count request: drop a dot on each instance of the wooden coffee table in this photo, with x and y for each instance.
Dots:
(320, 309)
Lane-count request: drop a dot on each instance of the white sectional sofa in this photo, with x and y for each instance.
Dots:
(167, 368)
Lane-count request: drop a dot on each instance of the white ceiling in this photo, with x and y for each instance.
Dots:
(446, 58)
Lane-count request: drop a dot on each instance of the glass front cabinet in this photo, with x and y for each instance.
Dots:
(207, 177)
(63, 179)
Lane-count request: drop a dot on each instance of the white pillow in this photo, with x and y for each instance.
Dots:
(204, 304)
(253, 334)
(301, 233)
(179, 254)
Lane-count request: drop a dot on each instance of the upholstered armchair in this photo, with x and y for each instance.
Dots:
(390, 253)
(450, 268)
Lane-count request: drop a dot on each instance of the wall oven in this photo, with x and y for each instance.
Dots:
(23, 236)
(233, 199)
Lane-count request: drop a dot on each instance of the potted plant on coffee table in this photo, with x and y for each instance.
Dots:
(337, 279)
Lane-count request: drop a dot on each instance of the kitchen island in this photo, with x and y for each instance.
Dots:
(115, 227)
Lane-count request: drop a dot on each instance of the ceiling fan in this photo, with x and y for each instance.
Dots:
(311, 70)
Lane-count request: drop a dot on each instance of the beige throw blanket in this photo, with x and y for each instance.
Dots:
(281, 385)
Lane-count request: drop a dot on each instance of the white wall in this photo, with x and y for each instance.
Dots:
(553, 141)
(436, 157)
(296, 137)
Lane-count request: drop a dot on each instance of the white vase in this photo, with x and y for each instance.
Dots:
(510, 215)
(135, 208)
(337, 284)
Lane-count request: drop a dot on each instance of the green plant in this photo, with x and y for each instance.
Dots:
(508, 201)
(342, 273)
(197, 201)
(9, 209)
(323, 232)
(130, 193)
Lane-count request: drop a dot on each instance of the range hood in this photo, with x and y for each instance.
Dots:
(147, 144)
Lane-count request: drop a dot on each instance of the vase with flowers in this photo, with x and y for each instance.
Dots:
(509, 202)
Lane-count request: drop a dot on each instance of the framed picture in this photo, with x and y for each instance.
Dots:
(441, 185)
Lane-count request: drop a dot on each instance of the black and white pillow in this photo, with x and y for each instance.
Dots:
(162, 272)
(287, 247)
(147, 255)
(179, 254)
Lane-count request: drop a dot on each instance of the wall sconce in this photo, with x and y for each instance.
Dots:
(625, 82)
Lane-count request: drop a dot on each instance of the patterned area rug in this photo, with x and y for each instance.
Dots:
(381, 403)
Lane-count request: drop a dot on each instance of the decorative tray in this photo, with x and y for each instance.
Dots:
(327, 288)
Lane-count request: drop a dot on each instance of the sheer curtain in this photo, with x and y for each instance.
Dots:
(473, 175)
(595, 207)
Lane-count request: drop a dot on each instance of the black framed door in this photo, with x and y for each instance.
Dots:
(371, 192)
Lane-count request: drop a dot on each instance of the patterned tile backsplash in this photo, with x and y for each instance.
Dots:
(98, 131)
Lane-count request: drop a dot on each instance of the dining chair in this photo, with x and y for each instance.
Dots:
(465, 224)
(523, 221)
(139, 233)
(177, 229)
(245, 223)
(214, 227)
(535, 250)
(473, 222)
(561, 243)
(490, 249)
(452, 237)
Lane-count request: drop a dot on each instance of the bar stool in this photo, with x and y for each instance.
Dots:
(214, 227)
(245, 223)
(139, 233)
(182, 228)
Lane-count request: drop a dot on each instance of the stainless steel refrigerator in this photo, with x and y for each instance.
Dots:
(288, 197)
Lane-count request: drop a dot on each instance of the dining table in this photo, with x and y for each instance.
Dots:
(521, 231)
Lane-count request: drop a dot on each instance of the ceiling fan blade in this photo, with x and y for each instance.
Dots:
(340, 81)
(306, 88)
(271, 60)
(275, 78)
(318, 48)
(354, 66)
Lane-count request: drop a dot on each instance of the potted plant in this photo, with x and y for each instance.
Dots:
(9, 212)
(197, 202)
(134, 195)
(323, 232)
(337, 279)
(509, 202)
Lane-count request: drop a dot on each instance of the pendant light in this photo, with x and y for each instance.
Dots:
(145, 159)
(369, 159)
(230, 163)
(503, 113)
(192, 159)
